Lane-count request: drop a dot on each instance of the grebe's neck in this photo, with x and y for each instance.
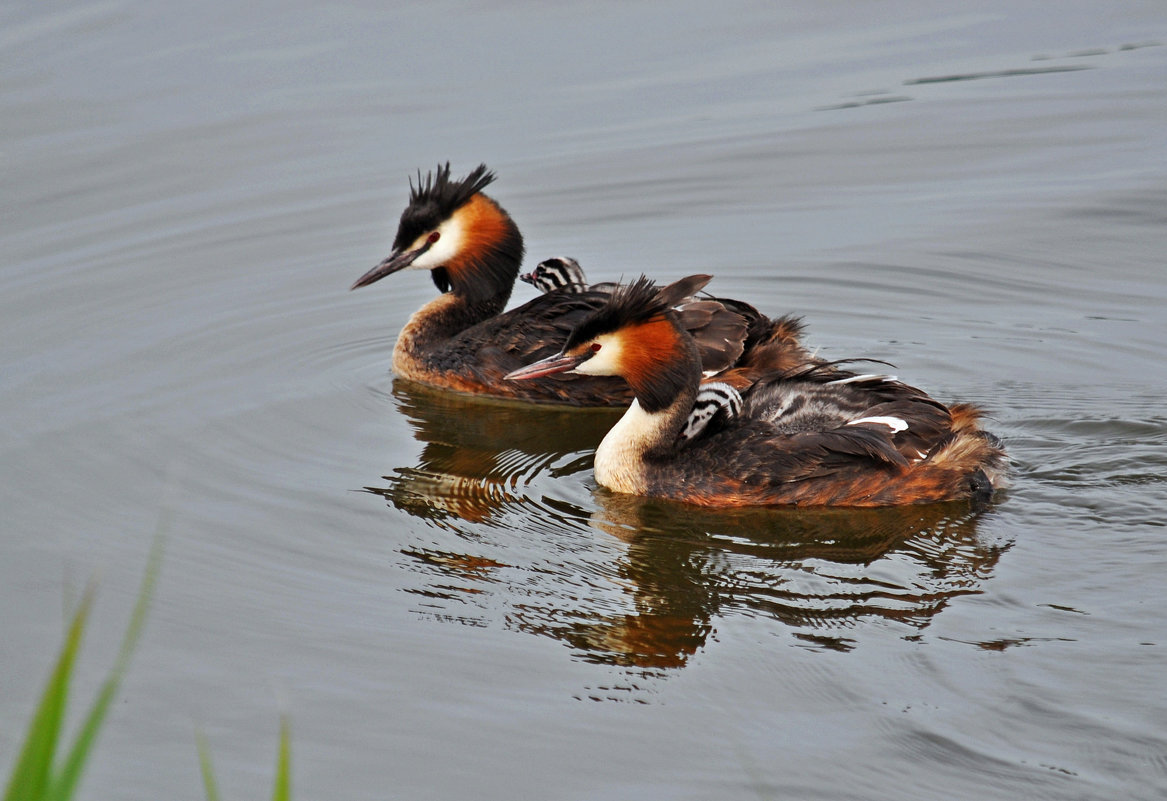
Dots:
(486, 263)
(665, 388)
(638, 436)
(475, 280)
(433, 325)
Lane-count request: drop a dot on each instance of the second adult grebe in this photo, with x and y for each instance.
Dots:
(465, 341)
(812, 435)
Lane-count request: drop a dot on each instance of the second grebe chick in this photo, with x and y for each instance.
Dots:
(465, 341)
(715, 405)
(558, 274)
(810, 436)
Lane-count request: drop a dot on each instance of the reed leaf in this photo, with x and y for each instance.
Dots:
(209, 787)
(282, 790)
(36, 774)
(65, 781)
(32, 772)
(283, 786)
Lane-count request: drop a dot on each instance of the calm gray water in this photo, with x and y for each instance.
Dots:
(432, 588)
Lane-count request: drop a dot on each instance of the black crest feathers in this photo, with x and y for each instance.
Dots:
(437, 188)
(635, 302)
(434, 198)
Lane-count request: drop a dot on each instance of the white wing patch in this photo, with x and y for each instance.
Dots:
(894, 423)
(866, 377)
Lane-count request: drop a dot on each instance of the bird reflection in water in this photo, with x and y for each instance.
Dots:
(638, 582)
(479, 454)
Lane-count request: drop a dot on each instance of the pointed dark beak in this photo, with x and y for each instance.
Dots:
(559, 363)
(527, 278)
(399, 260)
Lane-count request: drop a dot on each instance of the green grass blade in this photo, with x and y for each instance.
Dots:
(209, 786)
(64, 783)
(32, 771)
(283, 788)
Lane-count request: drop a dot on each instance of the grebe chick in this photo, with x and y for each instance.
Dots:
(561, 274)
(810, 436)
(715, 405)
(464, 341)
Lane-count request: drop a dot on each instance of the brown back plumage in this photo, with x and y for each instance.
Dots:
(812, 434)
(821, 436)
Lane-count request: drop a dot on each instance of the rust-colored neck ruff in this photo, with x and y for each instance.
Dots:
(476, 283)
(484, 269)
(659, 362)
(663, 368)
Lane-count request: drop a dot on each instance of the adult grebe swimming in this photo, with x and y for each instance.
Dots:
(811, 435)
(465, 341)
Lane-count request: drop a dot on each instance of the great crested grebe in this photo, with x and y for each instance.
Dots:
(464, 341)
(813, 435)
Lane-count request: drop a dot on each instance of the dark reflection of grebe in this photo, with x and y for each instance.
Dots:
(477, 451)
(819, 571)
(647, 594)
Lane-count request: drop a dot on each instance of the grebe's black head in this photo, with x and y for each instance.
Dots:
(632, 304)
(464, 238)
(634, 335)
(434, 200)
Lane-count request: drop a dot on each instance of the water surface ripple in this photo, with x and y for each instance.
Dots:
(433, 587)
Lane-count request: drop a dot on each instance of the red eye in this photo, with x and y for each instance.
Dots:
(434, 237)
(595, 346)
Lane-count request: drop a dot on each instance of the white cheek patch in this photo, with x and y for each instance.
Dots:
(894, 423)
(444, 250)
(605, 361)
